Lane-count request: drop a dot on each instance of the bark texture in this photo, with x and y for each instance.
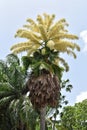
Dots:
(42, 118)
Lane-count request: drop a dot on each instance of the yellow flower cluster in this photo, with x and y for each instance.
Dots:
(44, 32)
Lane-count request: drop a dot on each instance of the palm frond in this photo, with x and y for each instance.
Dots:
(46, 66)
(4, 94)
(65, 64)
(5, 86)
(6, 101)
(70, 52)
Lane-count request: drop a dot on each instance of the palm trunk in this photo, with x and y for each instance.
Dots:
(42, 118)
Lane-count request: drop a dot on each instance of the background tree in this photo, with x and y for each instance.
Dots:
(15, 109)
(81, 115)
(74, 117)
(68, 118)
(45, 41)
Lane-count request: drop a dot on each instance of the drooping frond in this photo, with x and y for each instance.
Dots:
(64, 36)
(21, 44)
(6, 101)
(77, 47)
(63, 45)
(5, 86)
(27, 34)
(26, 46)
(64, 63)
(70, 52)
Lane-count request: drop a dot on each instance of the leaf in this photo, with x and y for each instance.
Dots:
(26, 61)
(47, 67)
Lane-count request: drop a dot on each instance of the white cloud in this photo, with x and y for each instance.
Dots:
(83, 35)
(82, 96)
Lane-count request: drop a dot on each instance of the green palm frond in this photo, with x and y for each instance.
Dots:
(5, 86)
(11, 92)
(46, 66)
(6, 101)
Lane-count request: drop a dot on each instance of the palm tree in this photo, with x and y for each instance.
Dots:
(15, 109)
(45, 41)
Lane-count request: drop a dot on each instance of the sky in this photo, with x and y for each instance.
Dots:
(13, 15)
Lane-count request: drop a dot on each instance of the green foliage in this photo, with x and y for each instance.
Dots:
(68, 117)
(81, 115)
(15, 108)
(75, 117)
(38, 62)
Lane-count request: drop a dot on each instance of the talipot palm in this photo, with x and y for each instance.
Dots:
(45, 41)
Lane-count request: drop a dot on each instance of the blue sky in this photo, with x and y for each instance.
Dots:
(13, 15)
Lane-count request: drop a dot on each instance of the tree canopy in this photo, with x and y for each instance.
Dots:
(75, 117)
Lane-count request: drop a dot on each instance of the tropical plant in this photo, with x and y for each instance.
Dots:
(16, 111)
(45, 41)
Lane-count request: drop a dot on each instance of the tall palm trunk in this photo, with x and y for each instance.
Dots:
(44, 90)
(42, 118)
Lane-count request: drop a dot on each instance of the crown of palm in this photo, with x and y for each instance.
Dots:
(44, 33)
